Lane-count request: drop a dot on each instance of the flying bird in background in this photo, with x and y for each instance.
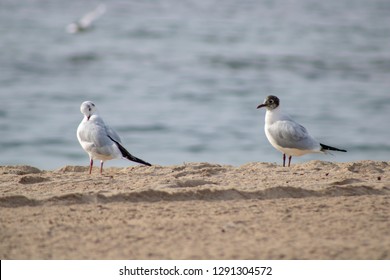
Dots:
(86, 21)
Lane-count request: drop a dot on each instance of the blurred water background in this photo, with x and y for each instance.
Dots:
(180, 79)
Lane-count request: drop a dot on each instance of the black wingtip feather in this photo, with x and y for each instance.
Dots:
(325, 147)
(135, 159)
(127, 155)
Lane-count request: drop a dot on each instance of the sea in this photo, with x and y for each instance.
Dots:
(180, 80)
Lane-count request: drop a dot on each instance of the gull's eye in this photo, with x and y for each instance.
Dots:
(271, 101)
(89, 109)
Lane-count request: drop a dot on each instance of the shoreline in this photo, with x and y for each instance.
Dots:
(313, 210)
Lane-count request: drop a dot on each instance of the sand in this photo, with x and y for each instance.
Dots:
(314, 210)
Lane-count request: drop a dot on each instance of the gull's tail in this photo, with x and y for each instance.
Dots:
(127, 155)
(329, 148)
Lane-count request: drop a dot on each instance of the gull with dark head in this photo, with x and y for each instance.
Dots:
(99, 140)
(288, 136)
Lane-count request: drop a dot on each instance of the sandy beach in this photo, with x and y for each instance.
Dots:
(314, 210)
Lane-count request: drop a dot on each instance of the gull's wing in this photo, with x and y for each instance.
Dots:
(289, 134)
(91, 16)
(93, 137)
(113, 134)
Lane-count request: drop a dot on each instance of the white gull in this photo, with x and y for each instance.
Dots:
(99, 140)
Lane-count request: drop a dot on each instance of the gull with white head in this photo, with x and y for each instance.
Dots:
(99, 140)
(288, 136)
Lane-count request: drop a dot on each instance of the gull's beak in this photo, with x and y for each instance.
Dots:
(261, 106)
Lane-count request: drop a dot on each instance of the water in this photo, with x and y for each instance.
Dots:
(180, 80)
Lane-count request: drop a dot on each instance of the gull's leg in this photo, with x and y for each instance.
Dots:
(284, 160)
(101, 167)
(90, 166)
(289, 160)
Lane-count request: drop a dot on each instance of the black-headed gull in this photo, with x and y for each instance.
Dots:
(99, 140)
(288, 136)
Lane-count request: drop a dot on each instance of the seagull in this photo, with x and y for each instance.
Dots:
(99, 140)
(288, 136)
(86, 21)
